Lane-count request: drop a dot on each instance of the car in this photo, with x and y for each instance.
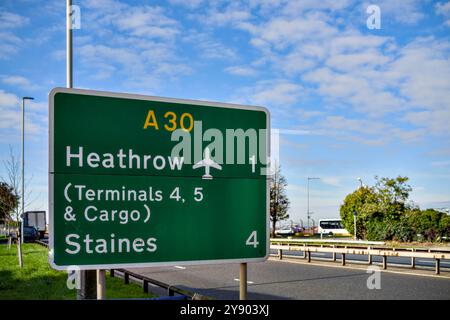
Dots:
(285, 232)
(30, 234)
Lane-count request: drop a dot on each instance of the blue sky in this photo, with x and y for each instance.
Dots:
(363, 102)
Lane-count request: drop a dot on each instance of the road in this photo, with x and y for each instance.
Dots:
(297, 280)
(400, 261)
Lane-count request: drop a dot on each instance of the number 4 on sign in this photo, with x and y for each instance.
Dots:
(252, 240)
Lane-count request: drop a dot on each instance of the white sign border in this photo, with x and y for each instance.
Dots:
(51, 261)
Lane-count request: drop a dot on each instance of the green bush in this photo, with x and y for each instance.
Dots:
(403, 230)
(384, 213)
(429, 225)
(444, 227)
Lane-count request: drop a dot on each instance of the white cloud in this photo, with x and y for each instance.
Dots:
(280, 32)
(365, 131)
(295, 63)
(275, 93)
(18, 81)
(192, 4)
(444, 163)
(10, 120)
(371, 77)
(332, 181)
(404, 11)
(147, 22)
(219, 14)
(443, 9)
(243, 71)
(9, 20)
(295, 8)
(8, 100)
(136, 67)
(209, 48)
(9, 42)
(133, 43)
(307, 115)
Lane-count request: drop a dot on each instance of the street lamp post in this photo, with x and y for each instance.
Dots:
(308, 213)
(360, 182)
(354, 225)
(23, 165)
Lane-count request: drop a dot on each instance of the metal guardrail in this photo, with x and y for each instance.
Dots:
(326, 241)
(171, 290)
(358, 248)
(146, 281)
(42, 243)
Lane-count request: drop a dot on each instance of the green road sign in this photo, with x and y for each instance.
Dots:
(145, 181)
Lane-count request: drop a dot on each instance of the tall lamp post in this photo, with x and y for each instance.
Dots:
(360, 182)
(23, 165)
(354, 213)
(308, 213)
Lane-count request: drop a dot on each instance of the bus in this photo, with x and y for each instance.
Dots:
(332, 227)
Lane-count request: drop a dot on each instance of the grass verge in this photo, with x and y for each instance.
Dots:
(38, 281)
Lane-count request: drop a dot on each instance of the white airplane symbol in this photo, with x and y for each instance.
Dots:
(207, 163)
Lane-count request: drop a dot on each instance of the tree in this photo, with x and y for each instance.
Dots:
(393, 195)
(365, 203)
(12, 168)
(279, 202)
(13, 179)
(379, 209)
(383, 213)
(8, 201)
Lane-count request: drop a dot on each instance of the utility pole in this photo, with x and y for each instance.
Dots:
(88, 278)
(308, 213)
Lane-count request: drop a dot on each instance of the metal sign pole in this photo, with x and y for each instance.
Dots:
(87, 278)
(69, 44)
(101, 285)
(243, 282)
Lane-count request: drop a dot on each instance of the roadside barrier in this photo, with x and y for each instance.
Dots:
(171, 290)
(367, 248)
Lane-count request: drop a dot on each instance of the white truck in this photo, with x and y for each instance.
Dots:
(36, 219)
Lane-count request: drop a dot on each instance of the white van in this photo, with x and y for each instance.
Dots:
(332, 227)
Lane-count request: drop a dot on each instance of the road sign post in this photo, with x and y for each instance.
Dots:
(101, 284)
(146, 181)
(243, 282)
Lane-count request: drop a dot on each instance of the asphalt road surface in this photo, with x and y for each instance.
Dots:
(292, 280)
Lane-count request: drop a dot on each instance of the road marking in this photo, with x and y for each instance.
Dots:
(248, 282)
(180, 267)
(425, 261)
(431, 262)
